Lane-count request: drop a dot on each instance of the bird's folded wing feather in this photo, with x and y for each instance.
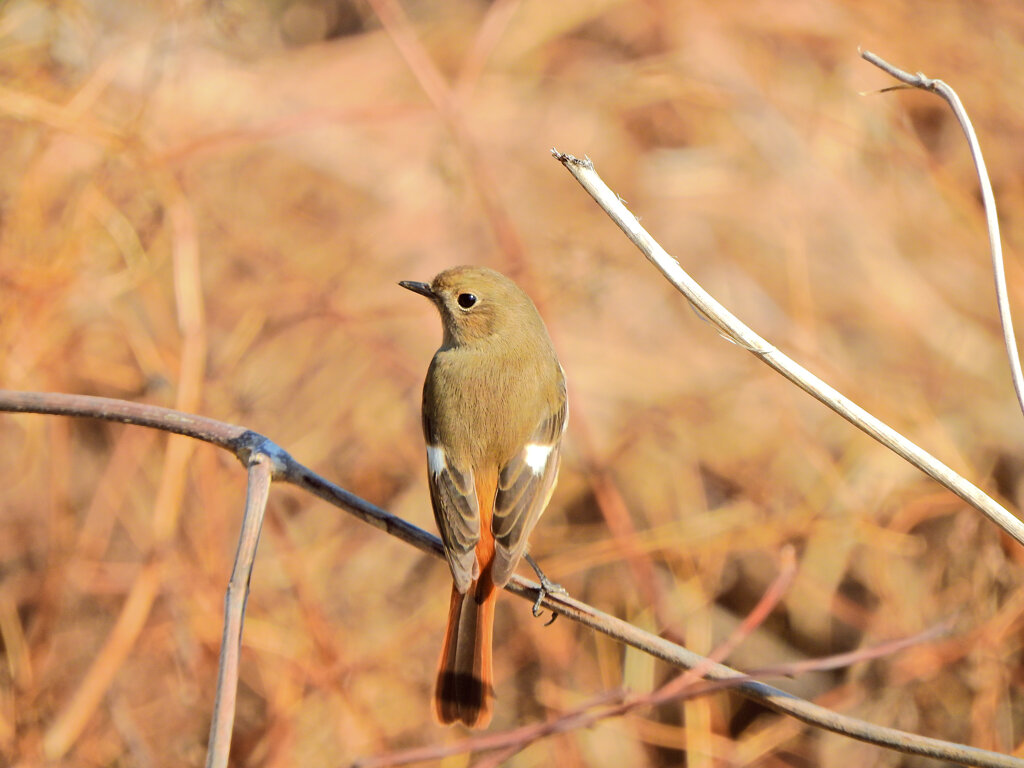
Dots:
(453, 494)
(525, 484)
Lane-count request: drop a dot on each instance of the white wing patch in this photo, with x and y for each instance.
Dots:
(435, 460)
(537, 456)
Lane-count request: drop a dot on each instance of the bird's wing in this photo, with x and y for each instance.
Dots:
(525, 484)
(453, 496)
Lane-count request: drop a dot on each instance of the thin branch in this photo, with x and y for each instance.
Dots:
(616, 703)
(988, 200)
(244, 442)
(507, 740)
(735, 330)
(222, 722)
(141, 414)
(840, 660)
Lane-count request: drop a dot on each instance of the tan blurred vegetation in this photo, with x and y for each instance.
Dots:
(208, 206)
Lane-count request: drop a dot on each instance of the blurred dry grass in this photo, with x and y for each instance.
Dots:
(210, 207)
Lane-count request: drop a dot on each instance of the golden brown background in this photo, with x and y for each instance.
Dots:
(208, 205)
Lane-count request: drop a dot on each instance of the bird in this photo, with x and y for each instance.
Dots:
(494, 413)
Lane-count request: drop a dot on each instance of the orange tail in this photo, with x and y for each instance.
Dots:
(465, 689)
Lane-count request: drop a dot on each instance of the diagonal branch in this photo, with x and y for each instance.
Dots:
(245, 443)
(735, 330)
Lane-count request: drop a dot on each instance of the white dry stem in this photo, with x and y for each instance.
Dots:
(733, 329)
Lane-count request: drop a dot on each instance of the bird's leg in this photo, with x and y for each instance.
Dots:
(547, 587)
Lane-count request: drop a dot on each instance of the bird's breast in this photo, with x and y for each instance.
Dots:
(485, 407)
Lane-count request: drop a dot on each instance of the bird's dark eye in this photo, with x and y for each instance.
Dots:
(466, 300)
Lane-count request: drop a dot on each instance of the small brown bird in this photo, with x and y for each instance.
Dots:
(494, 411)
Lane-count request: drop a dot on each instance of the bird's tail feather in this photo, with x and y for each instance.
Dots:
(465, 688)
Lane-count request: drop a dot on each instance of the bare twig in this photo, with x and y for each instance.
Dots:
(735, 330)
(244, 443)
(141, 414)
(616, 703)
(219, 745)
(840, 660)
(511, 741)
(988, 200)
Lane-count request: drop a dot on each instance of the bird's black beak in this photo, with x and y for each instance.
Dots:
(423, 289)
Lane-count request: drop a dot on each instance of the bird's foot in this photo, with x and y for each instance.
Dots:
(547, 587)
